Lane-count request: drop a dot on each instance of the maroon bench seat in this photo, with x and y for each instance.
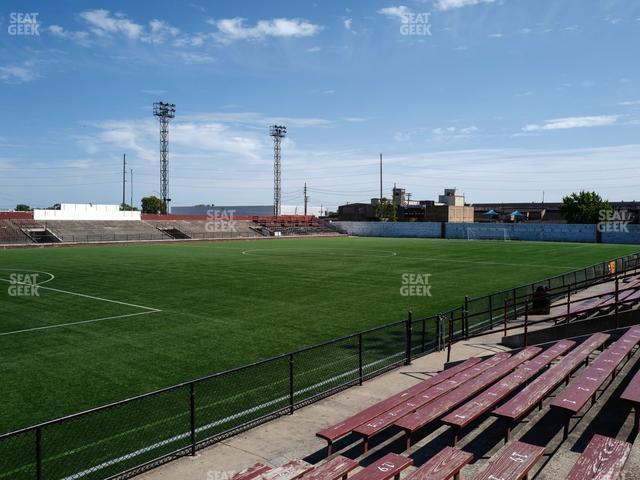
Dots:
(484, 402)
(533, 394)
(632, 395)
(603, 459)
(379, 423)
(333, 469)
(513, 463)
(335, 432)
(434, 410)
(251, 472)
(445, 464)
(289, 471)
(391, 465)
(585, 386)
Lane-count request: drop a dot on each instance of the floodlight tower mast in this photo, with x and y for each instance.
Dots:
(164, 112)
(277, 132)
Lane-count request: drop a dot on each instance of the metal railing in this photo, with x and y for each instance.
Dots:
(127, 437)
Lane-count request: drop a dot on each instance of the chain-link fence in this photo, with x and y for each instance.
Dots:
(125, 438)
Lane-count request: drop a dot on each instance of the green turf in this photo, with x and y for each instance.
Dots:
(220, 308)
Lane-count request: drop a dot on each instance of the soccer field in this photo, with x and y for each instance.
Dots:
(110, 322)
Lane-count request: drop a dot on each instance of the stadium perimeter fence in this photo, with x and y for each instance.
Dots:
(128, 437)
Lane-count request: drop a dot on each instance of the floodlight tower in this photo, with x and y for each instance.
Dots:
(277, 132)
(164, 112)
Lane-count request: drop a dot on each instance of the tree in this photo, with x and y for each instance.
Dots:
(128, 208)
(386, 210)
(584, 207)
(151, 204)
(21, 207)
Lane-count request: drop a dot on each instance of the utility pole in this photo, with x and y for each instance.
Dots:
(380, 178)
(131, 181)
(124, 177)
(306, 199)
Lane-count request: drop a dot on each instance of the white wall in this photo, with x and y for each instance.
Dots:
(82, 211)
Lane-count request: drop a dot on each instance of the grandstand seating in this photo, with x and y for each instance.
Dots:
(631, 394)
(287, 225)
(391, 465)
(513, 463)
(381, 422)
(471, 411)
(333, 469)
(603, 459)
(10, 233)
(532, 395)
(102, 231)
(207, 228)
(585, 386)
(340, 430)
(445, 464)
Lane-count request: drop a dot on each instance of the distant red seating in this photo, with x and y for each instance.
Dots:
(513, 463)
(434, 410)
(585, 386)
(335, 432)
(484, 402)
(445, 464)
(632, 395)
(333, 469)
(381, 422)
(603, 459)
(391, 465)
(532, 395)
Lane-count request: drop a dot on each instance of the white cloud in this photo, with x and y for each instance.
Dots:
(329, 92)
(400, 12)
(451, 4)
(80, 37)
(573, 122)
(496, 35)
(17, 74)
(629, 103)
(160, 31)
(194, 58)
(102, 23)
(314, 49)
(230, 29)
(348, 23)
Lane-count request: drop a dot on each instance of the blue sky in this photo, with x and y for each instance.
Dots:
(503, 99)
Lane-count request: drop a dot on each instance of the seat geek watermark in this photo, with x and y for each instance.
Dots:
(415, 285)
(415, 24)
(614, 221)
(221, 221)
(23, 285)
(23, 24)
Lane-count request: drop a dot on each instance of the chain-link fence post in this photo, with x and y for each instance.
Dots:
(360, 366)
(408, 330)
(291, 396)
(192, 408)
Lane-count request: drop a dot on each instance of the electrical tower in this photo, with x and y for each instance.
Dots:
(164, 112)
(277, 132)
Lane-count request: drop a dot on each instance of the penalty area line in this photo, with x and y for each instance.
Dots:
(70, 324)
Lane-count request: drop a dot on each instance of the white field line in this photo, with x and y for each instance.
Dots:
(85, 296)
(81, 322)
(182, 436)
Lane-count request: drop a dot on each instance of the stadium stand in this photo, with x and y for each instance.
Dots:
(631, 394)
(513, 463)
(437, 408)
(292, 225)
(391, 465)
(445, 464)
(603, 459)
(471, 411)
(532, 395)
(102, 231)
(381, 422)
(342, 429)
(586, 385)
(10, 233)
(205, 228)
(333, 469)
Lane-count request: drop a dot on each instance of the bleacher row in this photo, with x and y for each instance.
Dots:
(459, 396)
(629, 293)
